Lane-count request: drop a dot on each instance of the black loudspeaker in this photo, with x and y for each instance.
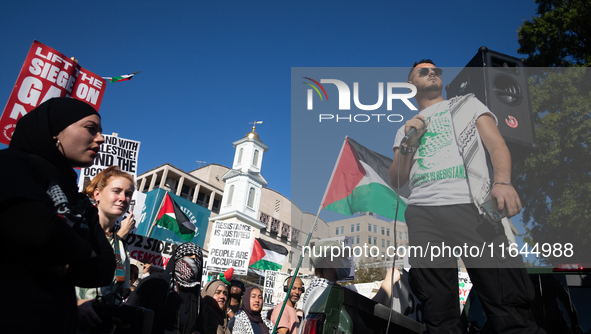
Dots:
(500, 82)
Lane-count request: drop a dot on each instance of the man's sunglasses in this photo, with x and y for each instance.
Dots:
(426, 70)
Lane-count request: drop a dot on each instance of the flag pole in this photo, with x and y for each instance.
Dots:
(307, 240)
(296, 272)
(156, 217)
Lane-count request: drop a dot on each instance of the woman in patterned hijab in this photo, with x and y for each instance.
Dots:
(186, 282)
(188, 267)
(248, 320)
(174, 297)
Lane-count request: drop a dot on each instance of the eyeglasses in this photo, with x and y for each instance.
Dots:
(426, 70)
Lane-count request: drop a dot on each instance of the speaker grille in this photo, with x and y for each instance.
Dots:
(507, 90)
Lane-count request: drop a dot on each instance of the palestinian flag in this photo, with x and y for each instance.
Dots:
(267, 255)
(360, 183)
(125, 77)
(172, 217)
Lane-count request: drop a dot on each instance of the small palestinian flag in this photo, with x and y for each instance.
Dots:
(125, 77)
(267, 255)
(172, 217)
(360, 182)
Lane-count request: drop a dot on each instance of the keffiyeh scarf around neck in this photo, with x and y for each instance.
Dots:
(471, 148)
(316, 282)
(242, 324)
(474, 156)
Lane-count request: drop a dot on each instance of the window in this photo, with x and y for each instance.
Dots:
(265, 220)
(387, 232)
(400, 235)
(383, 230)
(388, 243)
(352, 228)
(369, 240)
(336, 231)
(251, 198)
(285, 228)
(357, 240)
(295, 236)
(357, 227)
(369, 227)
(342, 229)
(375, 229)
(375, 240)
(383, 243)
(240, 155)
(255, 158)
(230, 194)
(275, 226)
(405, 235)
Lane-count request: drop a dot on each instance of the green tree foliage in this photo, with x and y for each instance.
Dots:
(555, 182)
(559, 36)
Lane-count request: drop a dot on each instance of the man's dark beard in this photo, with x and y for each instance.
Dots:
(432, 88)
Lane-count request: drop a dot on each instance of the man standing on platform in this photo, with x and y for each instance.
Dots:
(445, 163)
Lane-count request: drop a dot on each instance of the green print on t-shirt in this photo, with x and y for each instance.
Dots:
(457, 172)
(435, 152)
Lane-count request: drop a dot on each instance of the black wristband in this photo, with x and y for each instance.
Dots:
(407, 150)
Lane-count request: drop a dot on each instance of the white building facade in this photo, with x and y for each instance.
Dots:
(241, 194)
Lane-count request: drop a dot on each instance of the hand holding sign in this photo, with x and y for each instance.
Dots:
(127, 225)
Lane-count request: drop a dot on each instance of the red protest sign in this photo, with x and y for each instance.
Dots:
(47, 73)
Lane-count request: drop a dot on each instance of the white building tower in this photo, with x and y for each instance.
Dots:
(244, 182)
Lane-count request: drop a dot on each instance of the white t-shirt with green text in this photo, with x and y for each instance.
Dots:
(438, 175)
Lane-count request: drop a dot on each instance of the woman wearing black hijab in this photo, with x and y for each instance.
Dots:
(248, 320)
(51, 239)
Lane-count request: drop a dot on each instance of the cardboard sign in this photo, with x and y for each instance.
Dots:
(230, 247)
(464, 285)
(115, 151)
(47, 73)
(148, 250)
(273, 293)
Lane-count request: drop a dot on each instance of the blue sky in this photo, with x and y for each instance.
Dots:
(210, 68)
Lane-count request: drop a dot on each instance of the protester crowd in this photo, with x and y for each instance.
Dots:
(83, 281)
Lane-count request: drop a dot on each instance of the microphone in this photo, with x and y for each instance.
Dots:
(412, 131)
